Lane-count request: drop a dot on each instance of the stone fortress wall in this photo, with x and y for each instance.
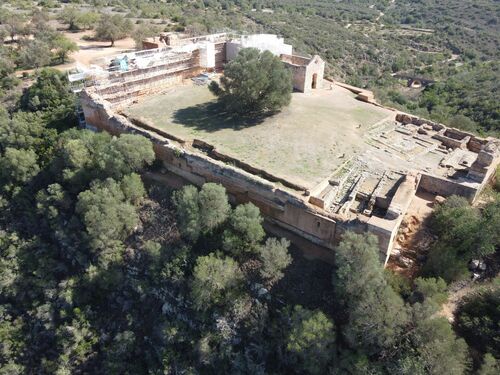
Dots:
(282, 202)
(170, 60)
(285, 207)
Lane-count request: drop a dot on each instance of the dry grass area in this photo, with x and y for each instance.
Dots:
(304, 143)
(94, 52)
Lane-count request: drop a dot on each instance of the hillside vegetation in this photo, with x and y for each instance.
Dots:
(105, 271)
(364, 43)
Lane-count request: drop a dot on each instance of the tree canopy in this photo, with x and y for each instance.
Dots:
(113, 27)
(254, 83)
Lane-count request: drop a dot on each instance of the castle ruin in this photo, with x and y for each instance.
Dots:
(370, 164)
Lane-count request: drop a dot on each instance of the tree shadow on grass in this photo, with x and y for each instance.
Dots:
(212, 116)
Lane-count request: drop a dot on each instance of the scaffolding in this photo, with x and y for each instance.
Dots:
(129, 75)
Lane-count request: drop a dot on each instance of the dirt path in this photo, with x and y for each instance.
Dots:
(90, 52)
(456, 292)
(414, 238)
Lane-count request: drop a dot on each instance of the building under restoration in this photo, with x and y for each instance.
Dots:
(334, 160)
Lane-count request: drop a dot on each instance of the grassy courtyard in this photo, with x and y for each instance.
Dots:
(304, 143)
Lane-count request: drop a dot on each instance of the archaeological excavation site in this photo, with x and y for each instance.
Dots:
(333, 160)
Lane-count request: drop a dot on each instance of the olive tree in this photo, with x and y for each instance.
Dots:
(254, 83)
(112, 28)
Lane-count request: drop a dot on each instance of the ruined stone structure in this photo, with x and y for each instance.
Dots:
(415, 81)
(370, 190)
(307, 73)
(215, 50)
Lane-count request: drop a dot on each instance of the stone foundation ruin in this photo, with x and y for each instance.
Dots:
(369, 191)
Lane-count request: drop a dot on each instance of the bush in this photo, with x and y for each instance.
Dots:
(275, 258)
(311, 338)
(216, 281)
(245, 230)
(478, 316)
(201, 212)
(464, 233)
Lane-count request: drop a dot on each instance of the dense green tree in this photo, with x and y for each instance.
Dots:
(7, 67)
(439, 350)
(12, 345)
(27, 130)
(126, 154)
(455, 220)
(311, 339)
(377, 314)
(464, 232)
(409, 365)
(376, 321)
(63, 46)
(490, 222)
(431, 289)
(490, 365)
(35, 54)
(254, 83)
(50, 90)
(83, 156)
(52, 202)
(444, 262)
(201, 212)
(275, 258)
(353, 273)
(216, 281)
(244, 231)
(113, 27)
(52, 95)
(354, 362)
(398, 282)
(430, 344)
(18, 166)
(188, 212)
(74, 160)
(478, 318)
(133, 188)
(107, 215)
(77, 341)
(214, 206)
